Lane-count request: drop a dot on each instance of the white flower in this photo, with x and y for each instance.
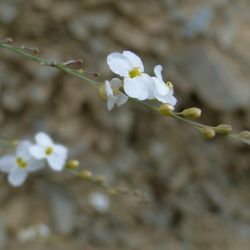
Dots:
(137, 84)
(114, 95)
(45, 148)
(100, 202)
(162, 91)
(18, 166)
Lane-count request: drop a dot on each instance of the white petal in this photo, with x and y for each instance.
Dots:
(108, 88)
(111, 102)
(37, 151)
(171, 91)
(43, 139)
(121, 99)
(7, 163)
(60, 150)
(17, 177)
(160, 87)
(119, 64)
(163, 98)
(136, 87)
(56, 162)
(149, 82)
(158, 72)
(134, 59)
(171, 100)
(23, 149)
(116, 83)
(35, 165)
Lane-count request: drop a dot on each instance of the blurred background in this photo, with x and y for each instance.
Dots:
(199, 190)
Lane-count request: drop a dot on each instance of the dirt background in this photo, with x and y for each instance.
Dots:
(199, 190)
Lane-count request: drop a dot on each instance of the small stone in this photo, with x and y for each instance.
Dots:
(63, 212)
(137, 39)
(200, 23)
(12, 102)
(8, 13)
(100, 202)
(3, 232)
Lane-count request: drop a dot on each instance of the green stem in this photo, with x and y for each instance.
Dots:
(79, 75)
(7, 143)
(195, 124)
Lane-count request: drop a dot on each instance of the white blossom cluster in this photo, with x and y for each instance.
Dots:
(30, 157)
(135, 83)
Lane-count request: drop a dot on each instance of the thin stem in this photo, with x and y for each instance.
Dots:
(195, 124)
(7, 143)
(81, 76)
(101, 182)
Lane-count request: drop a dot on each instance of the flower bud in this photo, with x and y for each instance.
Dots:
(81, 71)
(166, 109)
(100, 179)
(72, 164)
(102, 92)
(85, 174)
(191, 113)
(208, 132)
(112, 191)
(223, 129)
(244, 136)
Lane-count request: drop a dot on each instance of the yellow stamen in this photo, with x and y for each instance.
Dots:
(21, 163)
(134, 72)
(169, 85)
(49, 151)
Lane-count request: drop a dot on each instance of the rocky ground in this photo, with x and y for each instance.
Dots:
(198, 190)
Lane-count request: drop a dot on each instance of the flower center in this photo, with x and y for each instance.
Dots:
(21, 163)
(49, 151)
(134, 72)
(169, 85)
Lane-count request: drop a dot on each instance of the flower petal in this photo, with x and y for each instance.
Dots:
(7, 163)
(108, 88)
(158, 72)
(37, 151)
(56, 162)
(60, 150)
(119, 64)
(136, 87)
(116, 83)
(134, 59)
(17, 177)
(121, 99)
(160, 89)
(171, 100)
(23, 149)
(43, 139)
(149, 82)
(111, 102)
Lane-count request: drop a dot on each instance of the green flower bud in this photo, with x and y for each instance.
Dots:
(166, 109)
(72, 164)
(100, 179)
(85, 174)
(223, 129)
(191, 113)
(208, 132)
